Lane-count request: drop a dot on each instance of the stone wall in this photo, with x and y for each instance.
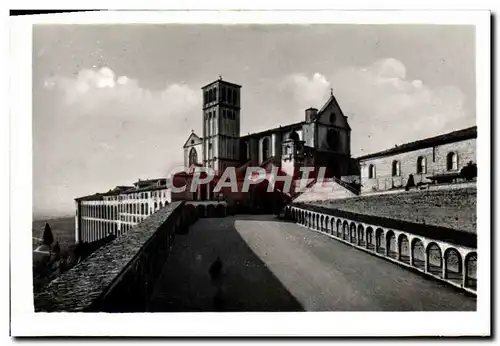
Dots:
(436, 159)
(120, 276)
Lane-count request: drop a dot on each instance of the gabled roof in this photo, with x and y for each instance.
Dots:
(451, 137)
(192, 136)
(330, 101)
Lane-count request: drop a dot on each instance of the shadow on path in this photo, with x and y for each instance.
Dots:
(246, 284)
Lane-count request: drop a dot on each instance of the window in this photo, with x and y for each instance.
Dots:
(396, 168)
(193, 157)
(452, 161)
(332, 138)
(265, 149)
(235, 97)
(421, 165)
(371, 172)
(244, 151)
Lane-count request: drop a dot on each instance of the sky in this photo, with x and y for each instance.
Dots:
(115, 103)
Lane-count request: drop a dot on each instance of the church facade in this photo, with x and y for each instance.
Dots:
(322, 139)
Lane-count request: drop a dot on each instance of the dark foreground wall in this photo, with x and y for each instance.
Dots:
(120, 276)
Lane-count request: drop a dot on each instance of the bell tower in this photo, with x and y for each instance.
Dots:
(221, 125)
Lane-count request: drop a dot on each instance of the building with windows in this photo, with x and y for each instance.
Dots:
(116, 211)
(436, 159)
(323, 139)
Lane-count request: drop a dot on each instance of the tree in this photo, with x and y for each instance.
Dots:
(57, 250)
(410, 183)
(48, 238)
(469, 172)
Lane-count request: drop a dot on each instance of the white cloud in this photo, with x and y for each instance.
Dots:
(385, 108)
(96, 130)
(102, 93)
(307, 91)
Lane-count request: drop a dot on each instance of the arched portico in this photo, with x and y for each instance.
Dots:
(470, 279)
(361, 235)
(379, 241)
(404, 248)
(453, 265)
(434, 259)
(418, 254)
(391, 244)
(352, 233)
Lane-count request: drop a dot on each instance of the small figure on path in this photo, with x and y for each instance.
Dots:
(216, 269)
(215, 272)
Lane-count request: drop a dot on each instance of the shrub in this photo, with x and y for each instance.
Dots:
(410, 183)
(469, 172)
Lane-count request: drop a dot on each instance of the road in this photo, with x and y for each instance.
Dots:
(272, 265)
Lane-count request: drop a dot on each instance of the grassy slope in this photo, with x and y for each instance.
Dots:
(447, 208)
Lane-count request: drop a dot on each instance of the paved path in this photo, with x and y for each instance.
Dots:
(271, 265)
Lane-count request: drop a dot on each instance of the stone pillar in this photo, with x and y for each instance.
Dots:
(259, 151)
(443, 262)
(78, 216)
(410, 250)
(398, 246)
(426, 269)
(464, 272)
(273, 144)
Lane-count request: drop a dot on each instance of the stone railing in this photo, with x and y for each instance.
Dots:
(446, 254)
(120, 276)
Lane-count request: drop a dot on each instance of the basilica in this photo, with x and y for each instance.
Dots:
(322, 139)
